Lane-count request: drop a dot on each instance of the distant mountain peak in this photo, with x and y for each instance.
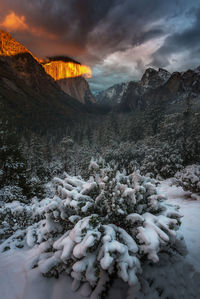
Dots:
(155, 86)
(113, 95)
(153, 78)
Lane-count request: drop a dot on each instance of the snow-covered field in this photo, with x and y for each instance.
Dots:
(17, 282)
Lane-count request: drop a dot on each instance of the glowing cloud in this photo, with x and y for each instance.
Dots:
(12, 22)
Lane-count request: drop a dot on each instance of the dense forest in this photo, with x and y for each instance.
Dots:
(152, 141)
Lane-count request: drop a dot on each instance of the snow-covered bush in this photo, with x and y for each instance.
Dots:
(13, 216)
(163, 160)
(106, 226)
(16, 217)
(12, 193)
(189, 178)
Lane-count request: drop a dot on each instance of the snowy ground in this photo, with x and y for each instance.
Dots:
(16, 282)
(190, 222)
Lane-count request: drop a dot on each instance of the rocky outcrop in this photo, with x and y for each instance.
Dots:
(153, 78)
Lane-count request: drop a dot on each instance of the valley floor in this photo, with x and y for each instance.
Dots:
(17, 282)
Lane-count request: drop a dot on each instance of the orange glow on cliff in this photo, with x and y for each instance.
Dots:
(61, 70)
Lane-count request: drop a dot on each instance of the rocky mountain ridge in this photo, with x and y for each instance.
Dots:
(153, 78)
(156, 86)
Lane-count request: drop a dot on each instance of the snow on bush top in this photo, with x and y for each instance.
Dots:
(109, 224)
(189, 178)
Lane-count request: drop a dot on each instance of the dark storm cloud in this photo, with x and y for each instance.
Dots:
(82, 21)
(145, 36)
(91, 30)
(130, 23)
(70, 20)
(188, 40)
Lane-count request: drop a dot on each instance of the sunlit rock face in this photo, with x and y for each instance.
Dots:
(9, 46)
(70, 76)
(61, 69)
(20, 60)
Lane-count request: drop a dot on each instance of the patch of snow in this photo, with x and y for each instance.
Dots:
(17, 281)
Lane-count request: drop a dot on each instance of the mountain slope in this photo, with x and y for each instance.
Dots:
(113, 95)
(28, 95)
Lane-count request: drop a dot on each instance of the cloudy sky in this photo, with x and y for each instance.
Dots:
(118, 39)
